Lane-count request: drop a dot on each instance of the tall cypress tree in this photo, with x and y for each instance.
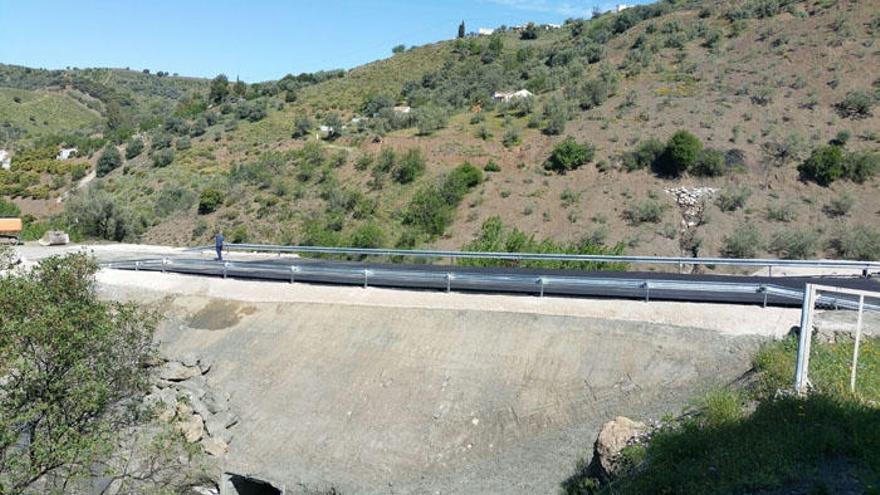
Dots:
(461, 30)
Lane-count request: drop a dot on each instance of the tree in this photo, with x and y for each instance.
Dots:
(109, 161)
(398, 49)
(209, 200)
(239, 88)
(461, 30)
(301, 126)
(71, 363)
(530, 32)
(824, 166)
(219, 89)
(681, 153)
(133, 148)
(569, 155)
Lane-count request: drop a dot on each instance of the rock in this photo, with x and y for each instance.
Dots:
(174, 371)
(216, 427)
(189, 360)
(215, 446)
(614, 436)
(216, 401)
(205, 365)
(189, 423)
(195, 385)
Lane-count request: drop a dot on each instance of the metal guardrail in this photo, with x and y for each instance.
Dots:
(589, 258)
(485, 281)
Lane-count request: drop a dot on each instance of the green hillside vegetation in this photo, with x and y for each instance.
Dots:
(722, 94)
(35, 113)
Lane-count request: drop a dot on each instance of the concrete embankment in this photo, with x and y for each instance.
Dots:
(382, 391)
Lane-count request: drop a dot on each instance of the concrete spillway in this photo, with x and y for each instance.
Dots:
(381, 399)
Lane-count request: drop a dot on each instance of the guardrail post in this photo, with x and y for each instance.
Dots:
(366, 276)
(541, 285)
(164, 262)
(448, 282)
(225, 268)
(852, 376)
(137, 266)
(293, 270)
(804, 339)
(647, 287)
(770, 271)
(764, 290)
(680, 267)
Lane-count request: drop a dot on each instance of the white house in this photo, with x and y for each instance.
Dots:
(622, 6)
(506, 96)
(66, 153)
(5, 160)
(402, 109)
(485, 31)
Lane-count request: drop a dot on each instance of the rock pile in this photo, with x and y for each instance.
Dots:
(181, 396)
(692, 203)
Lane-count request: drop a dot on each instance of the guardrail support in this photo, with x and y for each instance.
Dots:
(366, 276)
(448, 282)
(293, 270)
(225, 268)
(805, 337)
(764, 290)
(770, 271)
(137, 266)
(164, 262)
(541, 285)
(647, 287)
(852, 376)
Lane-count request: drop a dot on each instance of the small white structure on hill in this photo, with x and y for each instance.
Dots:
(5, 160)
(402, 109)
(485, 31)
(66, 153)
(505, 96)
(622, 6)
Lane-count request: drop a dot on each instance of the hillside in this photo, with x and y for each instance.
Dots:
(762, 84)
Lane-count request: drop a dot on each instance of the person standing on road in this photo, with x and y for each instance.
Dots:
(218, 244)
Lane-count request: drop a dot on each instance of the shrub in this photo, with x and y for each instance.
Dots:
(681, 153)
(530, 32)
(9, 209)
(839, 206)
(133, 148)
(646, 211)
(856, 104)
(781, 213)
(709, 164)
(183, 144)
(794, 244)
(109, 161)
(410, 167)
(733, 198)
(173, 199)
(824, 166)
(363, 162)
(743, 242)
(459, 181)
(398, 49)
(209, 200)
(429, 119)
(163, 158)
(644, 156)
(301, 126)
(369, 235)
(569, 155)
(861, 166)
(96, 214)
(594, 93)
(428, 211)
(511, 138)
(491, 166)
(861, 242)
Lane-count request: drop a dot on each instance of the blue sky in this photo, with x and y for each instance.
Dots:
(254, 40)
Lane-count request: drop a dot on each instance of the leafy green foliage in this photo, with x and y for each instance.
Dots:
(733, 198)
(647, 153)
(369, 235)
(681, 154)
(432, 208)
(410, 166)
(645, 211)
(856, 105)
(209, 200)
(710, 163)
(859, 242)
(569, 155)
(133, 148)
(109, 161)
(97, 214)
(163, 158)
(494, 236)
(824, 166)
(9, 209)
(219, 89)
(72, 362)
(743, 242)
(798, 244)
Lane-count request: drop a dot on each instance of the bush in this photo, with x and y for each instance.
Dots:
(709, 164)
(856, 104)
(183, 144)
(109, 161)
(743, 242)
(824, 166)
(511, 138)
(368, 235)
(9, 209)
(861, 166)
(432, 208)
(861, 242)
(491, 166)
(647, 153)
(569, 155)
(429, 119)
(646, 211)
(133, 148)
(96, 214)
(839, 206)
(163, 158)
(209, 200)
(781, 213)
(410, 167)
(794, 244)
(733, 198)
(681, 153)
(172, 199)
(459, 181)
(301, 126)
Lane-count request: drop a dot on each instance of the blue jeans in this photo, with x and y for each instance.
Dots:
(219, 252)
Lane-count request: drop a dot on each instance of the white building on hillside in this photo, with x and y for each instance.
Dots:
(485, 31)
(505, 96)
(402, 109)
(622, 6)
(5, 160)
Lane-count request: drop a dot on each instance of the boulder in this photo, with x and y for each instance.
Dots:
(614, 436)
(216, 401)
(174, 371)
(189, 423)
(215, 446)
